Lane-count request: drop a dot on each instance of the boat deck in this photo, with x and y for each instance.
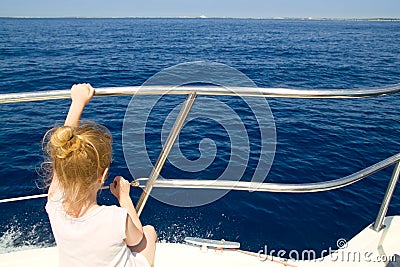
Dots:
(368, 248)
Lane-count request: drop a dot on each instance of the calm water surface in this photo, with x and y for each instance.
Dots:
(317, 139)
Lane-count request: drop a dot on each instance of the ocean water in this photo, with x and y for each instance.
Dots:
(316, 140)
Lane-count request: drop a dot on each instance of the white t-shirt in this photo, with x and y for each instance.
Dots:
(95, 239)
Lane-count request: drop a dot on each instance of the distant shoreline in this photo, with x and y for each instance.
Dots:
(203, 17)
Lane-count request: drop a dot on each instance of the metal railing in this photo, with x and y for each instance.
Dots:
(179, 122)
(192, 92)
(207, 90)
(277, 187)
(297, 188)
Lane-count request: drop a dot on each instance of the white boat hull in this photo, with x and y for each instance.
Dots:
(368, 248)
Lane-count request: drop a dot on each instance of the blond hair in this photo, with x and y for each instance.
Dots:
(79, 156)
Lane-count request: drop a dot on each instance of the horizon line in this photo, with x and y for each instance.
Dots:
(203, 17)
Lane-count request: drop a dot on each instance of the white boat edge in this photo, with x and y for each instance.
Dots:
(367, 248)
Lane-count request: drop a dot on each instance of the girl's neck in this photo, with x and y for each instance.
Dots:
(86, 207)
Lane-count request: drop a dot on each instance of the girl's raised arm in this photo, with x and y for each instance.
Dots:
(81, 94)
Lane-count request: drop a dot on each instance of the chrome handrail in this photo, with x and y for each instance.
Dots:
(192, 91)
(278, 187)
(378, 224)
(173, 134)
(299, 188)
(207, 90)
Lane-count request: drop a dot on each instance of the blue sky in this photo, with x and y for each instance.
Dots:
(210, 8)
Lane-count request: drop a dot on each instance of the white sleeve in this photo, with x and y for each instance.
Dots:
(120, 220)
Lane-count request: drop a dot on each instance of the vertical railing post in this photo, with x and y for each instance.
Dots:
(378, 225)
(180, 120)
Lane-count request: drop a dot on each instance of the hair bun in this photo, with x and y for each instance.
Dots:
(64, 141)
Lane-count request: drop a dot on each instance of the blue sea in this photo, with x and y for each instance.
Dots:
(316, 139)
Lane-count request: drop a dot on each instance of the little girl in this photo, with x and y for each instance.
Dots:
(88, 234)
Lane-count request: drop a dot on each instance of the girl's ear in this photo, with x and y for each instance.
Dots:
(104, 175)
